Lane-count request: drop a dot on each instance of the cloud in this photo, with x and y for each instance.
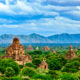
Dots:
(51, 25)
(48, 16)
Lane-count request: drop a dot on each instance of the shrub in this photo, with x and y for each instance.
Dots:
(20, 66)
(42, 77)
(71, 67)
(28, 72)
(30, 65)
(36, 61)
(4, 63)
(9, 72)
(53, 74)
(55, 62)
(68, 76)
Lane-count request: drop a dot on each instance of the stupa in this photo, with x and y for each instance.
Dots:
(29, 48)
(16, 52)
(44, 65)
(46, 48)
(71, 53)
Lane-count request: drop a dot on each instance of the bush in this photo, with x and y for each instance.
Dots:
(9, 72)
(53, 74)
(28, 72)
(71, 67)
(20, 66)
(4, 63)
(36, 61)
(42, 77)
(11, 78)
(68, 76)
(55, 62)
(30, 65)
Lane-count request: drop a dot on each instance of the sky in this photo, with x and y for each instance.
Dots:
(45, 17)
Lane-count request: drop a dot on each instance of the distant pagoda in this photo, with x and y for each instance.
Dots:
(16, 52)
(44, 65)
(29, 48)
(76, 49)
(46, 48)
(71, 53)
(54, 52)
(37, 48)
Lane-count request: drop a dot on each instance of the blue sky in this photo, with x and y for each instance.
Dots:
(45, 17)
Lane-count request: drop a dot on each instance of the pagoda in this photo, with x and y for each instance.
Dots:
(29, 48)
(44, 65)
(54, 52)
(76, 49)
(37, 48)
(46, 48)
(71, 53)
(16, 52)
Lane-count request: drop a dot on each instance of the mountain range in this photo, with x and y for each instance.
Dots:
(36, 38)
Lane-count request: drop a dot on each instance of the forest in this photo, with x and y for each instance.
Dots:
(59, 68)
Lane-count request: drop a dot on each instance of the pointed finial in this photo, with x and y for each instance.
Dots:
(71, 46)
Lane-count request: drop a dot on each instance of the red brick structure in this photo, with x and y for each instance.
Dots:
(54, 52)
(43, 65)
(29, 48)
(16, 52)
(76, 49)
(46, 48)
(71, 53)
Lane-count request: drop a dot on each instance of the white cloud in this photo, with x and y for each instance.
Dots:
(58, 24)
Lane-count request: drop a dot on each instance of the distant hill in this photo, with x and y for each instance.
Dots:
(36, 38)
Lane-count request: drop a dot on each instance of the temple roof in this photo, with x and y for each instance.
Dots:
(15, 40)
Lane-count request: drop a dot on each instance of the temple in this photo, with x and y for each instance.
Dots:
(37, 48)
(16, 52)
(29, 48)
(71, 53)
(44, 65)
(46, 48)
(54, 52)
(76, 49)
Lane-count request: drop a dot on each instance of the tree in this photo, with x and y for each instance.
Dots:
(71, 67)
(4, 63)
(42, 77)
(28, 71)
(30, 65)
(36, 61)
(9, 72)
(68, 76)
(55, 62)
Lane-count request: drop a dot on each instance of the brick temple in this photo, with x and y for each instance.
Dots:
(71, 53)
(44, 65)
(46, 48)
(16, 52)
(29, 48)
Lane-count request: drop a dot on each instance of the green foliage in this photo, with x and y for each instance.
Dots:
(56, 62)
(4, 63)
(30, 65)
(53, 74)
(42, 77)
(28, 72)
(68, 76)
(9, 72)
(11, 78)
(36, 52)
(36, 61)
(20, 66)
(72, 66)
